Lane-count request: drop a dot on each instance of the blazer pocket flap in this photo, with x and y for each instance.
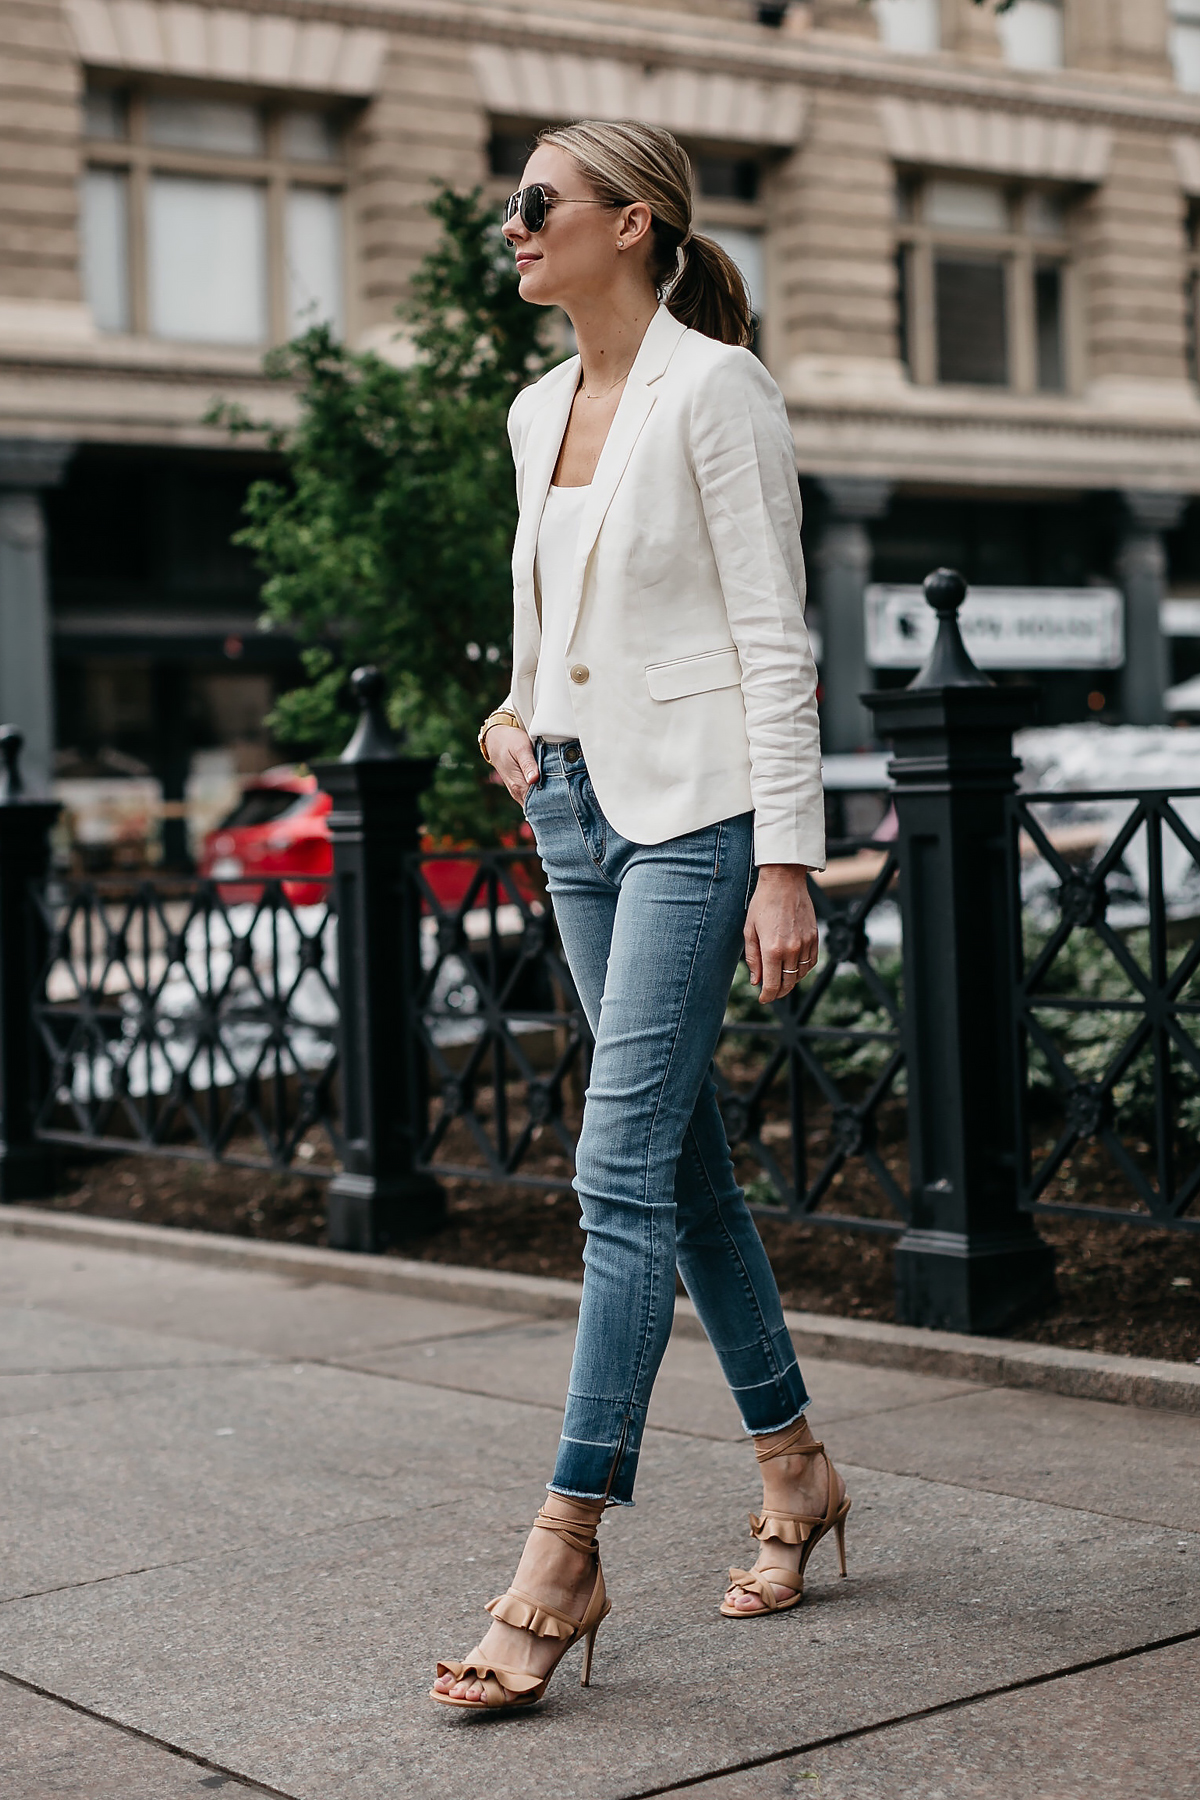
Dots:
(693, 674)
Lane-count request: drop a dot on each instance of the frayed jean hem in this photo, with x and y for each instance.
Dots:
(574, 1494)
(770, 1430)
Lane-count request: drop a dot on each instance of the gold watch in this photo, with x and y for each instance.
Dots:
(504, 716)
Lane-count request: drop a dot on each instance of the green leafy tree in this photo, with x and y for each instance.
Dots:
(390, 540)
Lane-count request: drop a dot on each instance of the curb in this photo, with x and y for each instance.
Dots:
(997, 1362)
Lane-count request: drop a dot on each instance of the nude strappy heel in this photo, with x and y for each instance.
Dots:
(790, 1528)
(530, 1614)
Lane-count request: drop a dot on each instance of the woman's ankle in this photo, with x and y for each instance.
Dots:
(569, 1509)
(573, 1505)
(798, 1434)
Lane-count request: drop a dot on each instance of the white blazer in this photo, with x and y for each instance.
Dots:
(693, 682)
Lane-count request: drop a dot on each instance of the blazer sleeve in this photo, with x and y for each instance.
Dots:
(744, 459)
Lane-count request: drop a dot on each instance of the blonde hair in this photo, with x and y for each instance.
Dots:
(625, 161)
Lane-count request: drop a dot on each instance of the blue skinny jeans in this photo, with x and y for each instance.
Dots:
(652, 934)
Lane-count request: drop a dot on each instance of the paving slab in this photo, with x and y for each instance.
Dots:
(33, 1341)
(217, 1458)
(532, 1363)
(1130, 1731)
(1117, 1460)
(258, 1559)
(1046, 1368)
(303, 1662)
(263, 1314)
(49, 1752)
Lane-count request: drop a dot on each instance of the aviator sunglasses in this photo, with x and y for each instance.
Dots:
(534, 204)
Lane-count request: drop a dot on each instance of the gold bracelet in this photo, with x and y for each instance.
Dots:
(504, 716)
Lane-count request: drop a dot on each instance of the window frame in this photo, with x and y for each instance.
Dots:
(1021, 251)
(140, 160)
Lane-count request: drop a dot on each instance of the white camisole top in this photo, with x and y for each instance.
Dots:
(558, 536)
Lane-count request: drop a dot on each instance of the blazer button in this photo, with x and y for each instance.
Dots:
(579, 672)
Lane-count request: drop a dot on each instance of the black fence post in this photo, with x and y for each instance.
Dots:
(26, 1167)
(379, 1196)
(969, 1259)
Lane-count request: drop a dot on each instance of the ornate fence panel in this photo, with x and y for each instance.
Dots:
(808, 1088)
(811, 1089)
(496, 1015)
(1106, 973)
(183, 1018)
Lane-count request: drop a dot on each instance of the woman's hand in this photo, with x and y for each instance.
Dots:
(513, 759)
(781, 929)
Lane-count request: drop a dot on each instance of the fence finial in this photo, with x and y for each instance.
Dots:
(12, 785)
(949, 662)
(373, 740)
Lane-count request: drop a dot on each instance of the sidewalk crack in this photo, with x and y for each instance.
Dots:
(147, 1737)
(854, 1732)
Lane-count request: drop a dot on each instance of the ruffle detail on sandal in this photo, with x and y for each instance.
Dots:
(787, 1528)
(515, 1608)
(494, 1680)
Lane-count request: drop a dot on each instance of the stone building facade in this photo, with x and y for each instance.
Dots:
(973, 244)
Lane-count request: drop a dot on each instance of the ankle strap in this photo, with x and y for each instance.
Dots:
(790, 1446)
(572, 1532)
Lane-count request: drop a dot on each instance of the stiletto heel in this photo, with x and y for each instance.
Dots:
(790, 1528)
(504, 1690)
(585, 1680)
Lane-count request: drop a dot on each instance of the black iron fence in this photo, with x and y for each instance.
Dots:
(186, 1019)
(1106, 964)
(806, 1087)
(1003, 995)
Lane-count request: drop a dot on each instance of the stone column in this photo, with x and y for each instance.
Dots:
(1141, 569)
(842, 565)
(27, 467)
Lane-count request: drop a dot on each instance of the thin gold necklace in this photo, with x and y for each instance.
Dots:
(607, 390)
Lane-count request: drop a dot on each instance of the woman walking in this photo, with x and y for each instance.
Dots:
(661, 734)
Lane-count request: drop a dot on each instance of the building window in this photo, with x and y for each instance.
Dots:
(1031, 34)
(728, 209)
(1193, 289)
(983, 284)
(727, 177)
(910, 26)
(211, 221)
(1185, 43)
(508, 152)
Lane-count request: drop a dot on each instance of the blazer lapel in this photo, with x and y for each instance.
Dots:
(543, 443)
(636, 404)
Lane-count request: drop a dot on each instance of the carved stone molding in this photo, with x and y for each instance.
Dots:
(223, 44)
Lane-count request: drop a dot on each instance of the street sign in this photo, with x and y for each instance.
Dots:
(1002, 627)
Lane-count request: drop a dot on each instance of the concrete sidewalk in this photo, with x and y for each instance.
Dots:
(242, 1513)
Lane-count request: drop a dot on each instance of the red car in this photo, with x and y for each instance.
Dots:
(279, 829)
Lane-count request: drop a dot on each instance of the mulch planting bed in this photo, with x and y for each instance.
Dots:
(1122, 1288)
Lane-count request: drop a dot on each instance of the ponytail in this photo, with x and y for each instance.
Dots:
(709, 294)
(698, 281)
